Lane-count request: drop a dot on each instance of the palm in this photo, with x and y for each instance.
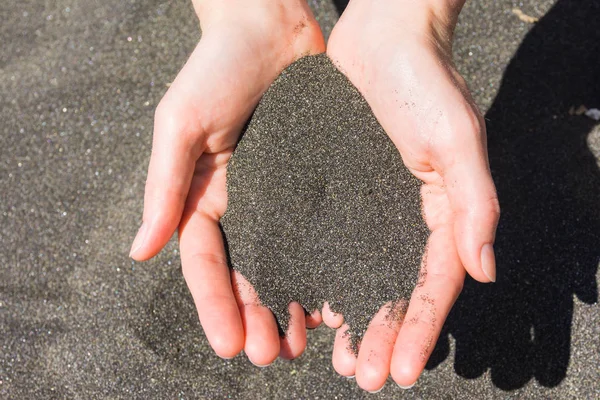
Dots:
(197, 126)
(424, 106)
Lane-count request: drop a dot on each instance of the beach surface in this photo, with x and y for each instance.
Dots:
(79, 82)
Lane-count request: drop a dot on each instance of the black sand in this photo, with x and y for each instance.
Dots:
(80, 320)
(320, 205)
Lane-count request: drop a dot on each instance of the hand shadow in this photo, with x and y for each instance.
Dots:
(548, 182)
(341, 5)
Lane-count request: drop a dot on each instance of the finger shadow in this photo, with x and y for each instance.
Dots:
(548, 184)
(170, 328)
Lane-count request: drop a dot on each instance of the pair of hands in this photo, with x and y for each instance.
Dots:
(398, 55)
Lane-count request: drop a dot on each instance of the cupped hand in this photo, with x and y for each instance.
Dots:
(244, 47)
(398, 54)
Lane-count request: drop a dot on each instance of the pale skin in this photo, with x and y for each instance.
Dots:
(397, 53)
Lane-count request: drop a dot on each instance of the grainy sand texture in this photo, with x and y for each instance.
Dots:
(79, 83)
(320, 205)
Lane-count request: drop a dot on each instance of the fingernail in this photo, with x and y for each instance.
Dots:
(406, 387)
(377, 391)
(139, 240)
(488, 262)
(260, 366)
(350, 377)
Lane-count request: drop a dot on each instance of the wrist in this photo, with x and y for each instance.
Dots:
(285, 29)
(263, 12)
(215, 12)
(432, 19)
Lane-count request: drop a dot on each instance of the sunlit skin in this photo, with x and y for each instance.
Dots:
(244, 47)
(397, 53)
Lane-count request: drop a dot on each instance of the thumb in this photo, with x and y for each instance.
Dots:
(472, 197)
(178, 142)
(175, 151)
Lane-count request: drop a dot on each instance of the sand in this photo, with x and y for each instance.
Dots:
(80, 320)
(321, 207)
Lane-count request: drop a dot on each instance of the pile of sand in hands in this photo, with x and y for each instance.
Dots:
(320, 205)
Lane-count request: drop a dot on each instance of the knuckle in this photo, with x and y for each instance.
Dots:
(174, 122)
(495, 206)
(486, 211)
(169, 117)
(163, 111)
(465, 120)
(491, 208)
(463, 130)
(469, 124)
(167, 121)
(205, 260)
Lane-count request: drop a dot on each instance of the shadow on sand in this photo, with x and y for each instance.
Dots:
(548, 240)
(341, 5)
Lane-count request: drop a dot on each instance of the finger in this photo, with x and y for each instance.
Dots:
(441, 282)
(331, 319)
(262, 335)
(377, 345)
(177, 143)
(343, 359)
(314, 319)
(473, 198)
(207, 276)
(294, 342)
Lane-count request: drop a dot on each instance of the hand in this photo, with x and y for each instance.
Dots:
(244, 47)
(398, 54)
